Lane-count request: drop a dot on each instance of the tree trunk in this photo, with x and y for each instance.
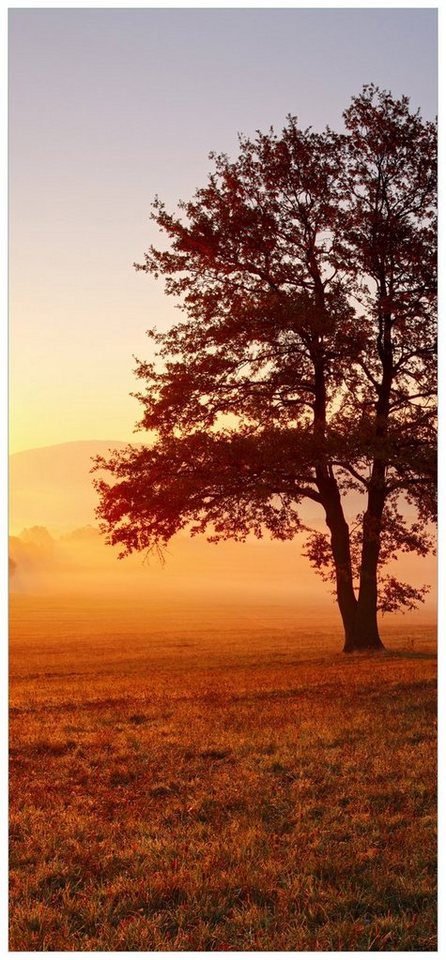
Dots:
(340, 545)
(359, 616)
(347, 602)
(365, 634)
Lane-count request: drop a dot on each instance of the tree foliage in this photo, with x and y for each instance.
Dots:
(304, 363)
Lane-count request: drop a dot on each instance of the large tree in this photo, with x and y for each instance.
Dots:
(303, 365)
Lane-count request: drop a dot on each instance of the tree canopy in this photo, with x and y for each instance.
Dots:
(304, 362)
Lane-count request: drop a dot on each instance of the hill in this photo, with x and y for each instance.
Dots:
(52, 486)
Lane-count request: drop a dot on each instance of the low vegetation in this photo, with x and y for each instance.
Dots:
(231, 788)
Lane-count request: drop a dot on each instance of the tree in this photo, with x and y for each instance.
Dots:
(304, 363)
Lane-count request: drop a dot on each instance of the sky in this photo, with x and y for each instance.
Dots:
(110, 107)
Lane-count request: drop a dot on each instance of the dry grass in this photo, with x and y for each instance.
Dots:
(222, 789)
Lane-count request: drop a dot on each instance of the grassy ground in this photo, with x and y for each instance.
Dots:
(231, 788)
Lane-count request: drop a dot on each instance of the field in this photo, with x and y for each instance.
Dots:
(237, 784)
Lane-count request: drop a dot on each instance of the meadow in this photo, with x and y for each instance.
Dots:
(218, 781)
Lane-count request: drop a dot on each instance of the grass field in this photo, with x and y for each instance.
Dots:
(236, 786)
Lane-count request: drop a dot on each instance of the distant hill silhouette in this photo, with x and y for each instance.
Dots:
(52, 486)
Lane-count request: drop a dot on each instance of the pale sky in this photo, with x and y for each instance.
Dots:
(109, 107)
